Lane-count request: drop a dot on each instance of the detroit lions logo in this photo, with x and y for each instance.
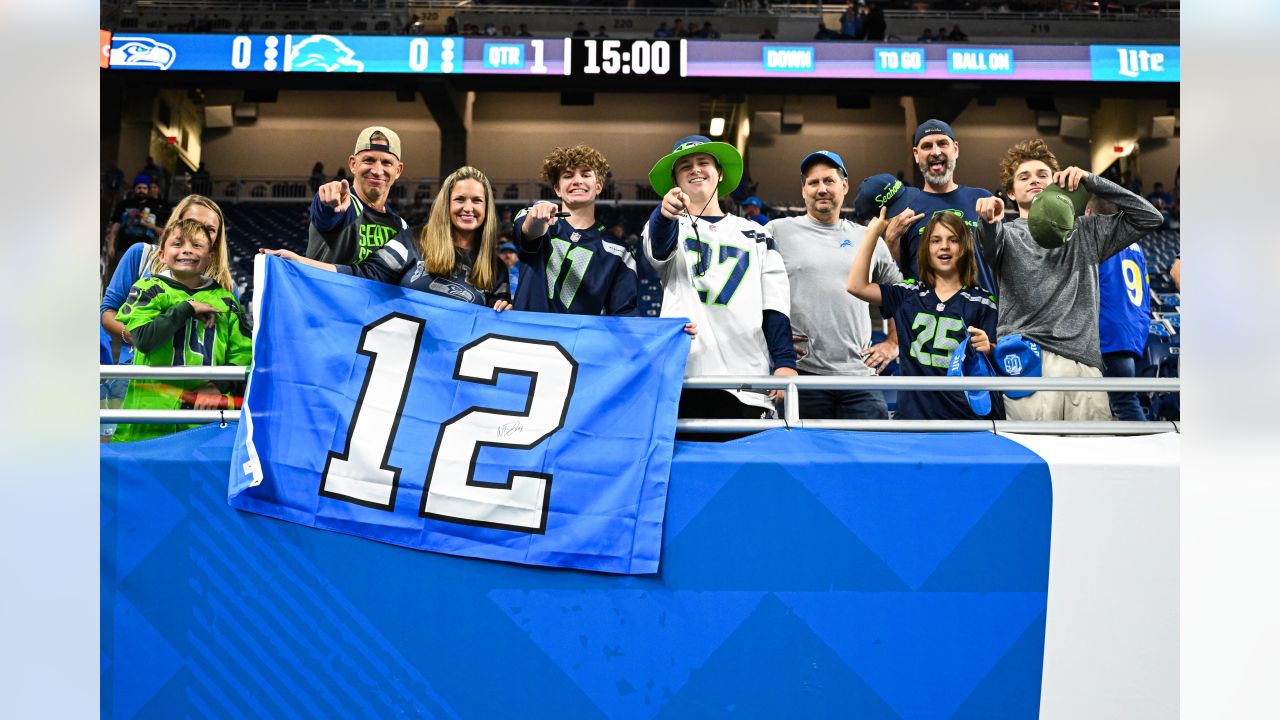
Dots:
(324, 53)
(846, 243)
(1012, 365)
(141, 52)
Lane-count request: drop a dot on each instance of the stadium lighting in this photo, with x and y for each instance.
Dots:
(717, 126)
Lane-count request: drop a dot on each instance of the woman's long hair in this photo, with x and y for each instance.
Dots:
(435, 242)
(967, 263)
(220, 266)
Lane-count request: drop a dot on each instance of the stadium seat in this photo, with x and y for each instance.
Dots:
(1161, 283)
(1160, 360)
(1158, 329)
(1159, 350)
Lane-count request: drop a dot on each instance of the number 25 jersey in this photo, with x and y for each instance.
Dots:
(722, 275)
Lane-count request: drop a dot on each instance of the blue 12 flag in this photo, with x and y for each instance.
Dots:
(441, 425)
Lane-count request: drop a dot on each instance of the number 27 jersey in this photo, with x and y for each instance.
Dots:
(723, 276)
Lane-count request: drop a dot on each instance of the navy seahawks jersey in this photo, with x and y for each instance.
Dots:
(398, 263)
(963, 199)
(580, 272)
(1124, 302)
(928, 330)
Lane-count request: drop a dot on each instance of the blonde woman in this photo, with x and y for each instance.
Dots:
(142, 260)
(455, 254)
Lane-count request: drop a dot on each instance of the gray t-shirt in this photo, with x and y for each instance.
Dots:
(1051, 296)
(818, 258)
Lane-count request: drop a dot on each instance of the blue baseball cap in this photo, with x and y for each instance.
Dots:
(967, 362)
(1017, 356)
(882, 191)
(932, 127)
(753, 200)
(506, 246)
(825, 156)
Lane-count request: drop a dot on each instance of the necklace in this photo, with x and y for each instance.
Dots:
(693, 221)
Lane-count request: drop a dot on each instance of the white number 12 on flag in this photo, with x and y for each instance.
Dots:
(362, 474)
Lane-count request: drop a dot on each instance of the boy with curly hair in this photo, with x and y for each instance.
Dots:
(572, 265)
(1049, 285)
(1026, 170)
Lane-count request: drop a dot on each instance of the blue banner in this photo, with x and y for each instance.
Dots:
(441, 425)
(804, 574)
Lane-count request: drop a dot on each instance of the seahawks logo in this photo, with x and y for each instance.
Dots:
(141, 52)
(324, 53)
(455, 290)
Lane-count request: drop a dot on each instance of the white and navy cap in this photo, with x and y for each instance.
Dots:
(376, 137)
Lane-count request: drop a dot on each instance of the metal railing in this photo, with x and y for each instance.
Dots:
(791, 405)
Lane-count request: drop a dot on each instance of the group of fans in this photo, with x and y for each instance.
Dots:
(965, 291)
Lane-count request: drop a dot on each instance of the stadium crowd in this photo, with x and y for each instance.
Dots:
(1061, 289)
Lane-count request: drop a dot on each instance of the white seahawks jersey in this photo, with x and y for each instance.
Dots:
(723, 277)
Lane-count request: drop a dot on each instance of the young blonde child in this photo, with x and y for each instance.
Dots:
(180, 315)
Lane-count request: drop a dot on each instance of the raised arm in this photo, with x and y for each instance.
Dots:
(860, 285)
(660, 232)
(1109, 234)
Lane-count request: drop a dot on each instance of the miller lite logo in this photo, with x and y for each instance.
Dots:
(1135, 62)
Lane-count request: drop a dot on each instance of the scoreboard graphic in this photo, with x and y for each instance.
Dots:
(595, 57)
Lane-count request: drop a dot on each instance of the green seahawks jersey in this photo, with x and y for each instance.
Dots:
(166, 332)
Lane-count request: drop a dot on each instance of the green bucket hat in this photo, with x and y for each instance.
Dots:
(661, 176)
(1053, 214)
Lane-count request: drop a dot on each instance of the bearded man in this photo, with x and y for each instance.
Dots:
(936, 152)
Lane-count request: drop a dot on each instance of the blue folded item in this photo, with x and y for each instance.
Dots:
(1017, 356)
(968, 362)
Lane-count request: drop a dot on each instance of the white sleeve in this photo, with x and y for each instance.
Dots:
(775, 289)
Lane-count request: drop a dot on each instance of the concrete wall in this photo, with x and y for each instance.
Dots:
(870, 141)
(986, 133)
(303, 127)
(511, 133)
